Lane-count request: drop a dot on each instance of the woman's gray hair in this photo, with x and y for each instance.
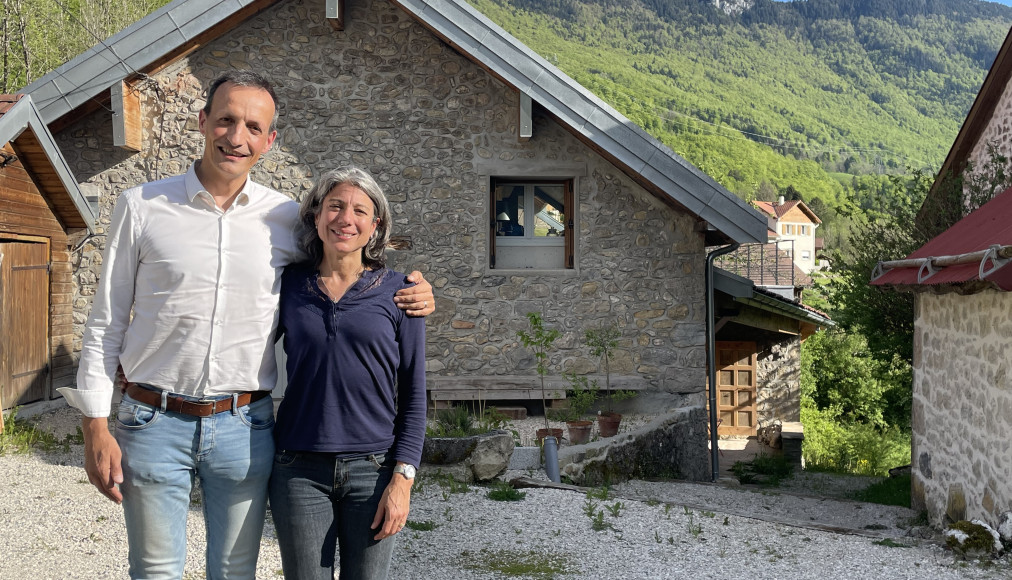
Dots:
(373, 255)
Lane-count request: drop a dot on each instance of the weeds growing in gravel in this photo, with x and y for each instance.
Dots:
(426, 526)
(513, 563)
(503, 491)
(21, 436)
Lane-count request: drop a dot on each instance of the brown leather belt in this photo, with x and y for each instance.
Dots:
(180, 405)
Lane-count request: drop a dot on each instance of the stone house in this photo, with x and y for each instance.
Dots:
(517, 188)
(962, 407)
(43, 218)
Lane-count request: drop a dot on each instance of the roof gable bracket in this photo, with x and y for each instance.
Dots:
(525, 122)
(335, 14)
(126, 116)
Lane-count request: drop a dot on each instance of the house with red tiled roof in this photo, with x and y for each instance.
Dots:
(962, 372)
(44, 217)
(792, 227)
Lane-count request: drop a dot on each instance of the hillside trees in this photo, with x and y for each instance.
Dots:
(39, 35)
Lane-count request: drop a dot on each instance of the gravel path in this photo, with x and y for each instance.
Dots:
(54, 525)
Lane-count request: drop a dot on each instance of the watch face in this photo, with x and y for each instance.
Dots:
(407, 470)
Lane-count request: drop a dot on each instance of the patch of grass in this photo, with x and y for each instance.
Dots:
(503, 491)
(426, 526)
(453, 422)
(21, 436)
(445, 481)
(889, 491)
(514, 563)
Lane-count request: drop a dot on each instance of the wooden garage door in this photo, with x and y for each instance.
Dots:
(24, 322)
(736, 388)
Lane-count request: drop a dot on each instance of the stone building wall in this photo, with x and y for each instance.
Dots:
(962, 405)
(387, 95)
(778, 381)
(998, 131)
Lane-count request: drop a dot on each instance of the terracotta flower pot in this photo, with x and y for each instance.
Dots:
(607, 423)
(579, 431)
(540, 434)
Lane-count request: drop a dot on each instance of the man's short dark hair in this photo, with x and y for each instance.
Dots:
(243, 78)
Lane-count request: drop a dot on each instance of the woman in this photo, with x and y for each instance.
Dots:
(350, 428)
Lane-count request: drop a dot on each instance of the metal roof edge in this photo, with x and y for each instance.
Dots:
(472, 33)
(744, 290)
(732, 284)
(786, 308)
(24, 115)
(93, 71)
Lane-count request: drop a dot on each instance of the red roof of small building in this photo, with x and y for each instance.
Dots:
(988, 226)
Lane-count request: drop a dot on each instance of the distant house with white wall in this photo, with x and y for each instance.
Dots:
(793, 222)
(962, 380)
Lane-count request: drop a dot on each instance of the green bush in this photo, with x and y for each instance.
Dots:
(850, 447)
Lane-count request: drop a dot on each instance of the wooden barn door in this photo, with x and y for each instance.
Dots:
(24, 322)
(736, 388)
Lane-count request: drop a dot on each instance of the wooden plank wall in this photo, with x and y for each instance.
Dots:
(26, 215)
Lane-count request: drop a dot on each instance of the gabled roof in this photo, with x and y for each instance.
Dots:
(186, 24)
(778, 210)
(145, 46)
(966, 247)
(22, 127)
(978, 118)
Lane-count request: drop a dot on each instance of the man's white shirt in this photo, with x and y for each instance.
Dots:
(201, 285)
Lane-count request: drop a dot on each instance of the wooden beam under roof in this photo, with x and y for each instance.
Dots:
(525, 124)
(126, 116)
(335, 14)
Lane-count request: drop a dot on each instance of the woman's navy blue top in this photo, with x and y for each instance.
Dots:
(356, 368)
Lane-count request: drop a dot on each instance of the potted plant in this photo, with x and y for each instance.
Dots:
(540, 340)
(602, 342)
(584, 394)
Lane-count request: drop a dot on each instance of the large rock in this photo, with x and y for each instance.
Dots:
(672, 446)
(469, 459)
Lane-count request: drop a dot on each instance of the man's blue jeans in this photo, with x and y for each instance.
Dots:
(231, 454)
(323, 505)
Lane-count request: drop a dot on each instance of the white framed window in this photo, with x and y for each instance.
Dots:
(806, 255)
(531, 225)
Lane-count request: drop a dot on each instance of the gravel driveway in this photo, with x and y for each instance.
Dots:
(53, 524)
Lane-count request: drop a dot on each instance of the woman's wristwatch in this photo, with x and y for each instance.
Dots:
(407, 470)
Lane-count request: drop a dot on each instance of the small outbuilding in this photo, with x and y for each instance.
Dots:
(43, 217)
(962, 374)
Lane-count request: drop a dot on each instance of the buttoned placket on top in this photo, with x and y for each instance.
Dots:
(220, 304)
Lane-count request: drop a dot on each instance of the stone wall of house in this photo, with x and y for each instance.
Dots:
(998, 131)
(962, 405)
(387, 95)
(778, 381)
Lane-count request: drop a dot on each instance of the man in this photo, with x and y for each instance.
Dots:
(187, 306)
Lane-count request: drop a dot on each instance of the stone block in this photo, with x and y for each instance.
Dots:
(513, 413)
(525, 458)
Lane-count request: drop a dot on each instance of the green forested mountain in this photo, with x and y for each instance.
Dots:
(823, 96)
